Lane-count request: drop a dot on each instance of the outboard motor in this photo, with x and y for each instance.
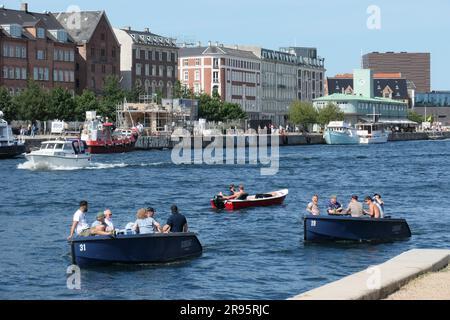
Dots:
(219, 202)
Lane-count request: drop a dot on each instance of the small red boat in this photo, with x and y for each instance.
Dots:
(259, 200)
(101, 137)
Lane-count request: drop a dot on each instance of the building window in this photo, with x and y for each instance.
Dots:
(169, 72)
(164, 56)
(92, 52)
(215, 63)
(103, 37)
(174, 57)
(5, 73)
(185, 62)
(197, 75)
(93, 68)
(147, 70)
(40, 54)
(113, 53)
(154, 70)
(103, 53)
(216, 77)
(161, 71)
(186, 76)
(41, 33)
(103, 68)
(138, 69)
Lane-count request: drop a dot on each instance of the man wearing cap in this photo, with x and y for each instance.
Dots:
(334, 207)
(98, 228)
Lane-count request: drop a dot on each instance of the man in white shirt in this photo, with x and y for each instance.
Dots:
(108, 220)
(79, 224)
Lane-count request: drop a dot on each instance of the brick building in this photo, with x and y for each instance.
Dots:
(98, 50)
(234, 74)
(35, 46)
(148, 61)
(415, 67)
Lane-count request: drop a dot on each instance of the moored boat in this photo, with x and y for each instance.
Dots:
(134, 249)
(102, 137)
(60, 154)
(10, 147)
(343, 228)
(340, 133)
(259, 200)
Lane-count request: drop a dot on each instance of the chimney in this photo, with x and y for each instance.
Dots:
(24, 6)
(128, 28)
(217, 43)
(199, 44)
(209, 43)
(147, 30)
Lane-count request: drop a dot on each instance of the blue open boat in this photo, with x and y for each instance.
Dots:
(343, 228)
(134, 249)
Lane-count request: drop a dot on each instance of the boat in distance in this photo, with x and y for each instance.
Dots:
(340, 133)
(10, 147)
(134, 249)
(259, 200)
(344, 228)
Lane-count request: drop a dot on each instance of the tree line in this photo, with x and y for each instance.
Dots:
(35, 103)
(305, 114)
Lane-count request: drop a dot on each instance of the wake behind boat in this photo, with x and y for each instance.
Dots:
(134, 249)
(60, 153)
(342, 228)
(259, 200)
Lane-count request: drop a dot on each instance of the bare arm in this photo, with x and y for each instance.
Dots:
(166, 229)
(72, 229)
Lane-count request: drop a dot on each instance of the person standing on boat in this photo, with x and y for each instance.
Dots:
(334, 207)
(79, 224)
(176, 222)
(355, 208)
(108, 220)
(379, 202)
(313, 206)
(374, 210)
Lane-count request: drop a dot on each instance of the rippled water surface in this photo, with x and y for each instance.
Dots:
(252, 254)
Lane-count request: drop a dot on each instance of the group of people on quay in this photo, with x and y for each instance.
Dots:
(145, 223)
(355, 208)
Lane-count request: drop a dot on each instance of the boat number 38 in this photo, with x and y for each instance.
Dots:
(82, 247)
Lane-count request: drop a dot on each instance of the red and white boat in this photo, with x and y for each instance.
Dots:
(259, 200)
(102, 137)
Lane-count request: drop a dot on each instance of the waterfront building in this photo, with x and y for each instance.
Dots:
(98, 50)
(361, 104)
(435, 103)
(148, 60)
(35, 46)
(287, 74)
(232, 73)
(310, 73)
(415, 67)
(385, 85)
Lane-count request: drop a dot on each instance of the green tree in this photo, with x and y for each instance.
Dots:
(181, 91)
(112, 96)
(61, 105)
(414, 116)
(214, 109)
(232, 111)
(6, 105)
(87, 101)
(331, 112)
(302, 113)
(32, 103)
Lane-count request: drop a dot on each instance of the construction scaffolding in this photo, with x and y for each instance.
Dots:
(155, 118)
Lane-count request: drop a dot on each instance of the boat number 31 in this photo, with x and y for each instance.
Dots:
(313, 223)
(82, 247)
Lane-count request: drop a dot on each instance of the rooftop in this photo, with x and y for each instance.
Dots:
(215, 50)
(83, 26)
(352, 97)
(149, 38)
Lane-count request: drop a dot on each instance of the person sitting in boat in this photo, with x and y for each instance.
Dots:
(232, 195)
(108, 220)
(379, 202)
(176, 222)
(313, 206)
(355, 208)
(374, 210)
(79, 224)
(99, 227)
(144, 223)
(241, 194)
(334, 207)
(151, 213)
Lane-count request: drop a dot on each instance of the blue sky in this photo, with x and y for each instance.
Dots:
(337, 28)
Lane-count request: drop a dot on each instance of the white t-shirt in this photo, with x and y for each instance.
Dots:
(110, 224)
(80, 217)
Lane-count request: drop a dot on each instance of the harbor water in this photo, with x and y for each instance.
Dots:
(251, 254)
